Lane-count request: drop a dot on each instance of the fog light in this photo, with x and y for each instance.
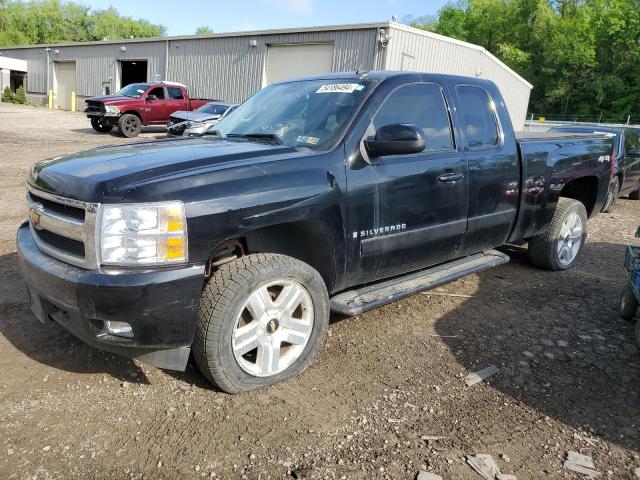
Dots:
(121, 329)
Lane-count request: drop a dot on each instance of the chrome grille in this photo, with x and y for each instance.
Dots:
(94, 107)
(64, 228)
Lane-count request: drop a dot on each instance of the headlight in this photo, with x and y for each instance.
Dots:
(199, 127)
(111, 109)
(143, 234)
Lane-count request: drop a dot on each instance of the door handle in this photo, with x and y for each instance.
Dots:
(450, 178)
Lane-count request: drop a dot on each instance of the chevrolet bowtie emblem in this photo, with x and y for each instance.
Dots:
(34, 217)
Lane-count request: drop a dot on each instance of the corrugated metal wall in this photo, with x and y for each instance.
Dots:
(226, 68)
(94, 63)
(230, 68)
(432, 53)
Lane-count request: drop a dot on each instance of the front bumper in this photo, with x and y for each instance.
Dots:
(160, 304)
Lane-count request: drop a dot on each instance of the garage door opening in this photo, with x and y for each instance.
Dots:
(64, 84)
(132, 71)
(289, 61)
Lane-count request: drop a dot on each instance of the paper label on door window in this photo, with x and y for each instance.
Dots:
(340, 88)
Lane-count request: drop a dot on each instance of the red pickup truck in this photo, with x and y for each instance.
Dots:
(138, 105)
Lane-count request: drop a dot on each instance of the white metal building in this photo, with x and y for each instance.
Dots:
(12, 73)
(234, 66)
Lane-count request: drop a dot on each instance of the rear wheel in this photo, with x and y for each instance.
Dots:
(262, 319)
(559, 247)
(100, 126)
(129, 125)
(614, 190)
(628, 303)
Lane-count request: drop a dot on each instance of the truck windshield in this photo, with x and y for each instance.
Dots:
(308, 113)
(134, 90)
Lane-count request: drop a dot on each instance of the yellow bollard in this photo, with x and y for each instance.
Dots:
(50, 94)
(73, 101)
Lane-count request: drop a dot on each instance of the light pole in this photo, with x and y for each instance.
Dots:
(49, 92)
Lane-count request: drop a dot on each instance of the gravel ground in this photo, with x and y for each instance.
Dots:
(387, 385)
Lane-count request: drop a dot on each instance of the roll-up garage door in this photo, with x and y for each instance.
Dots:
(290, 61)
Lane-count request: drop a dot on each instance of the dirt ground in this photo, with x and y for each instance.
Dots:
(385, 382)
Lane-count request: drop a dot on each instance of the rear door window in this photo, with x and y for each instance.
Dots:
(423, 105)
(175, 93)
(478, 117)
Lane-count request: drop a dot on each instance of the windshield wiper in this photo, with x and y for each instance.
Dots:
(260, 137)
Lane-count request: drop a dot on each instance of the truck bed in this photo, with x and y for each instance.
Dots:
(536, 136)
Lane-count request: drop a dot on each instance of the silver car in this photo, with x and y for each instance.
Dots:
(199, 121)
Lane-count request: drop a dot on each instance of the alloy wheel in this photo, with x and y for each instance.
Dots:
(273, 328)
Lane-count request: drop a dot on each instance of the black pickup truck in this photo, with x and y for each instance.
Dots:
(340, 192)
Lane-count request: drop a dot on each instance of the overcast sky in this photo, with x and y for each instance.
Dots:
(182, 17)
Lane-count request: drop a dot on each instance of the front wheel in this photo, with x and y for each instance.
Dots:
(129, 125)
(100, 126)
(262, 319)
(559, 247)
(612, 196)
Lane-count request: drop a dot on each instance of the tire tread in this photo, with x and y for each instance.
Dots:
(217, 296)
(541, 247)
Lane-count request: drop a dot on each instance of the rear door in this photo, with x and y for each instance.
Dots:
(409, 211)
(494, 173)
(631, 167)
(175, 101)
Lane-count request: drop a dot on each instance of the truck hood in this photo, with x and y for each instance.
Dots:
(194, 116)
(106, 174)
(112, 99)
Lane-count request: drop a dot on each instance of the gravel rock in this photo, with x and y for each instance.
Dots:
(424, 475)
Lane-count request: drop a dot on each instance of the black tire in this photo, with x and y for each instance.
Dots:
(100, 126)
(628, 303)
(612, 196)
(543, 248)
(222, 302)
(635, 195)
(129, 125)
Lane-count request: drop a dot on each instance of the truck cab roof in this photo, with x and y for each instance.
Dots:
(377, 76)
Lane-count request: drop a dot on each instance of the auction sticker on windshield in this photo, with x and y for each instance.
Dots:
(340, 88)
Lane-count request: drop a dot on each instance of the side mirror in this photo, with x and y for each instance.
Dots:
(396, 139)
(151, 97)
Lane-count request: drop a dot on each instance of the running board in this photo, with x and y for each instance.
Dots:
(354, 302)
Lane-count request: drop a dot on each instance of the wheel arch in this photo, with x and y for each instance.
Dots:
(584, 190)
(131, 112)
(310, 241)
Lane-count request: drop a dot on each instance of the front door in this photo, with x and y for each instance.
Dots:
(408, 211)
(155, 108)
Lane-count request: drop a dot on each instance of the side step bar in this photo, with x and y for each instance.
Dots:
(354, 302)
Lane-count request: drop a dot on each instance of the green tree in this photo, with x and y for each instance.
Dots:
(51, 21)
(204, 30)
(7, 94)
(20, 96)
(582, 56)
